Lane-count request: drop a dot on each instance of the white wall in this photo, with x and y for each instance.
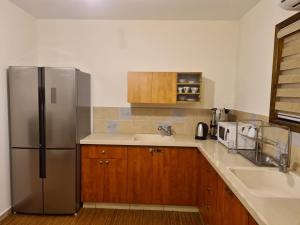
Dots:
(17, 47)
(257, 30)
(109, 49)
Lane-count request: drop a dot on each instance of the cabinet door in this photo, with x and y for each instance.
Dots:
(159, 178)
(92, 179)
(164, 88)
(207, 201)
(115, 181)
(140, 175)
(139, 85)
(175, 176)
(231, 211)
(201, 181)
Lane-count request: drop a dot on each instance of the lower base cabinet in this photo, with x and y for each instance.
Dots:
(104, 174)
(230, 210)
(217, 203)
(164, 175)
(207, 197)
(159, 175)
(140, 175)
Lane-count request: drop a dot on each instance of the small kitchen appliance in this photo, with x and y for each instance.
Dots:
(233, 135)
(218, 115)
(201, 131)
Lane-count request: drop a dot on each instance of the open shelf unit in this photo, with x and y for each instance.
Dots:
(188, 87)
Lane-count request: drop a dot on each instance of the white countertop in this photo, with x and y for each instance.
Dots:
(266, 211)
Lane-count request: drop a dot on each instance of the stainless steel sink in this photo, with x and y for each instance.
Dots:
(153, 138)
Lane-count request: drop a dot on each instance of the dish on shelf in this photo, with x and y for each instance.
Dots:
(191, 99)
(181, 80)
(181, 98)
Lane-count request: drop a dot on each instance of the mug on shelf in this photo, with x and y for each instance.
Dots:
(180, 90)
(194, 90)
(186, 89)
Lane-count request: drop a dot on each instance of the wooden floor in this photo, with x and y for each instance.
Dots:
(109, 217)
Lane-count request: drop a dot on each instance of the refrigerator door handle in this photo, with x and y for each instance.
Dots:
(42, 124)
(42, 163)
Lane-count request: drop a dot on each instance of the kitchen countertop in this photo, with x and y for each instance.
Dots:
(266, 211)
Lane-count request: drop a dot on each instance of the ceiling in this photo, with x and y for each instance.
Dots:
(137, 9)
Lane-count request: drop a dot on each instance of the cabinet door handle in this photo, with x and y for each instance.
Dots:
(103, 152)
(101, 162)
(107, 162)
(151, 150)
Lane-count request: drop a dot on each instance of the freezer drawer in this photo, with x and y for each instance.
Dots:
(23, 85)
(27, 194)
(60, 107)
(60, 182)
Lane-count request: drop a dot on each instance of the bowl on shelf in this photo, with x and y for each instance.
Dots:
(181, 80)
(191, 99)
(182, 98)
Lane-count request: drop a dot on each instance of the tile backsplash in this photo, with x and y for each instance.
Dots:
(146, 120)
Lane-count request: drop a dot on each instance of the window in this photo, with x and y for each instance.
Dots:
(285, 95)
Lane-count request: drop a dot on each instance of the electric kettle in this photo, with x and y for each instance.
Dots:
(201, 131)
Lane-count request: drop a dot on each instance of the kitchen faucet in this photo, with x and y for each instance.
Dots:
(165, 130)
(282, 164)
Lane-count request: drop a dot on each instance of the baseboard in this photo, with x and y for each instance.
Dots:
(5, 214)
(140, 207)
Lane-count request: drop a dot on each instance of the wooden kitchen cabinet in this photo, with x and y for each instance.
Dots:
(174, 176)
(148, 87)
(140, 175)
(159, 175)
(164, 88)
(92, 180)
(115, 181)
(139, 85)
(179, 183)
(162, 175)
(104, 174)
(217, 203)
(230, 209)
(208, 187)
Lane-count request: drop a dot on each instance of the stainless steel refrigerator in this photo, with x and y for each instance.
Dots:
(49, 112)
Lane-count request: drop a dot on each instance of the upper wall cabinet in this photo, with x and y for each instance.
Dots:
(139, 87)
(163, 87)
(285, 96)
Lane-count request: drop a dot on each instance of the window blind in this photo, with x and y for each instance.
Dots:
(287, 104)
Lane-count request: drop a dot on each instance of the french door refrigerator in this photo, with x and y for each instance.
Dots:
(49, 112)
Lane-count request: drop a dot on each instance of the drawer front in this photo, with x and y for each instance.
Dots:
(104, 152)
